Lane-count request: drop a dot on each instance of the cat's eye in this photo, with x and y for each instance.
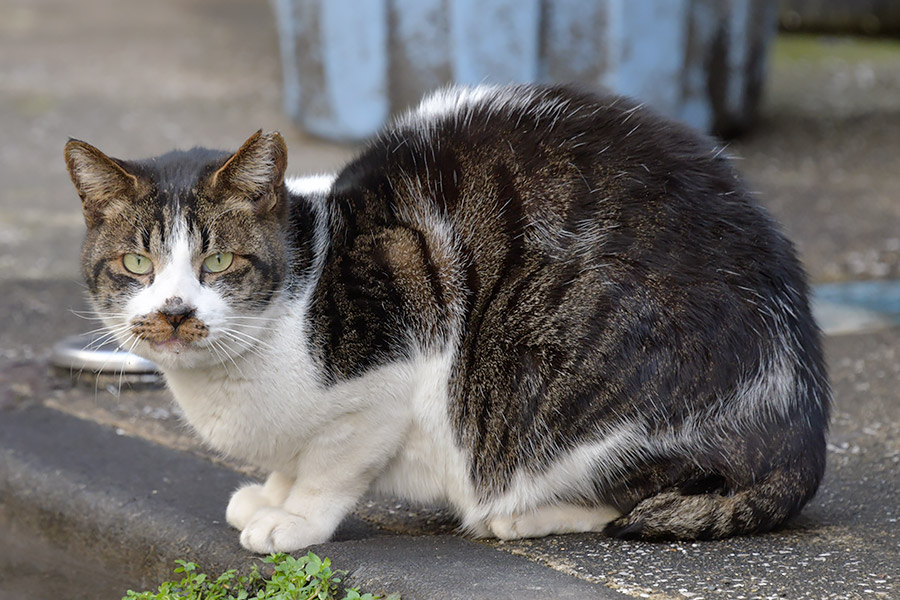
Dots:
(218, 262)
(137, 263)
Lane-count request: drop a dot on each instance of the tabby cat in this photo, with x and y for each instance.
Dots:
(552, 311)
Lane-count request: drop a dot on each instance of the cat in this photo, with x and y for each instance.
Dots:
(551, 310)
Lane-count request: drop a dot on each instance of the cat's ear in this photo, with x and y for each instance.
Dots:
(254, 173)
(104, 185)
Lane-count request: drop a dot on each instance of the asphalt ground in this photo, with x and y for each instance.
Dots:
(116, 477)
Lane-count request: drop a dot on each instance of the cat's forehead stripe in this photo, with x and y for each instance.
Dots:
(204, 238)
(146, 236)
(163, 219)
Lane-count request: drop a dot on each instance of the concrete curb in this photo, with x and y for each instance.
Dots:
(137, 507)
(451, 568)
(133, 505)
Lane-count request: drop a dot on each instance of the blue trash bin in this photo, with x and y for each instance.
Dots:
(349, 64)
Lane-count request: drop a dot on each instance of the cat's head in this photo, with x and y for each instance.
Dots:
(185, 254)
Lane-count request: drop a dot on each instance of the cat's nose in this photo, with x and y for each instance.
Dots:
(176, 311)
(177, 319)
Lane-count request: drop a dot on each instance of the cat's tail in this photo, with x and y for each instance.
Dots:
(674, 514)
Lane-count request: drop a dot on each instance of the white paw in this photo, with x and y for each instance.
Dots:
(276, 530)
(552, 519)
(244, 503)
(505, 528)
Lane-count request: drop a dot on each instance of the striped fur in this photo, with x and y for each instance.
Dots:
(553, 311)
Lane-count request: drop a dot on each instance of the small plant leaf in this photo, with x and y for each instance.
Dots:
(305, 578)
(313, 565)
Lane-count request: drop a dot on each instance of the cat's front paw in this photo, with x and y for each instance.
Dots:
(244, 503)
(276, 530)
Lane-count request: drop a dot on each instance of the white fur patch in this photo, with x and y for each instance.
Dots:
(429, 466)
(456, 100)
(459, 101)
(552, 519)
(178, 277)
(311, 185)
(175, 277)
(772, 390)
(573, 473)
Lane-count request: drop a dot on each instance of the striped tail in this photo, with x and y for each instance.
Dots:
(675, 515)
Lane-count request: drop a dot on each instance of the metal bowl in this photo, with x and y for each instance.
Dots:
(81, 355)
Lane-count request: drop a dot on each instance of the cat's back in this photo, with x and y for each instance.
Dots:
(557, 174)
(596, 272)
(543, 217)
(555, 187)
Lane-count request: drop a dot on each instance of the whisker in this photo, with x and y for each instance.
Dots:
(99, 371)
(122, 371)
(98, 342)
(261, 327)
(244, 345)
(96, 315)
(244, 334)
(237, 317)
(228, 355)
(219, 357)
(239, 348)
(245, 337)
(109, 329)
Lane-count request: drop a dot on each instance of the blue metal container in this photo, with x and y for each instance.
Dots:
(349, 64)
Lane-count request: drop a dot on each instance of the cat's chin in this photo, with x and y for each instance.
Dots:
(172, 346)
(175, 354)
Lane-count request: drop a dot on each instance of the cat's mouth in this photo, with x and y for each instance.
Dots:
(169, 334)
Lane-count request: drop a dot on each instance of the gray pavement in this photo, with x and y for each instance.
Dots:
(117, 479)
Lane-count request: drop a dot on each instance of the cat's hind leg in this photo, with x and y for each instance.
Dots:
(247, 500)
(552, 519)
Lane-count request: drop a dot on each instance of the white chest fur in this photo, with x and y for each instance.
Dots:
(270, 407)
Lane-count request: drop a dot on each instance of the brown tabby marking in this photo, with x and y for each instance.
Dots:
(159, 328)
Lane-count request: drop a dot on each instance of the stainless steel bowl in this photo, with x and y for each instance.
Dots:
(80, 356)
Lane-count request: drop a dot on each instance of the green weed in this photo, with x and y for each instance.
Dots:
(305, 578)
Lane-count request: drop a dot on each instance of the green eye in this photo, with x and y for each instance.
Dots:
(137, 264)
(218, 262)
